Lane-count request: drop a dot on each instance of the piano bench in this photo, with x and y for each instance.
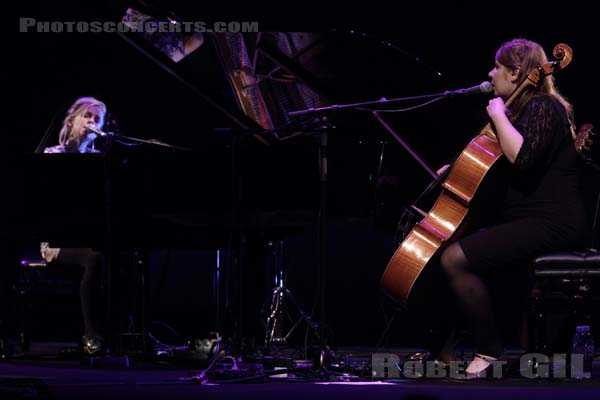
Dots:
(564, 295)
(44, 297)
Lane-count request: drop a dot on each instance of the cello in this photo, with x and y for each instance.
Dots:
(445, 220)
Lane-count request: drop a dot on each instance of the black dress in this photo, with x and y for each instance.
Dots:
(542, 210)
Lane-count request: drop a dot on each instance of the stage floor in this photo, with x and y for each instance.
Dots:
(43, 374)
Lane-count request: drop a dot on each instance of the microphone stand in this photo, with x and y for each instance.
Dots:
(323, 138)
(109, 245)
(325, 352)
(383, 100)
(482, 88)
(321, 131)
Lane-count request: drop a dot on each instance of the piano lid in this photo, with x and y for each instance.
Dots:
(273, 73)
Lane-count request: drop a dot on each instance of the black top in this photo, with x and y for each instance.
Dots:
(541, 208)
(543, 178)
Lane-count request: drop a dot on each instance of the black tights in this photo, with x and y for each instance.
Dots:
(473, 300)
(91, 261)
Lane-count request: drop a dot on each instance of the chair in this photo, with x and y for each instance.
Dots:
(567, 283)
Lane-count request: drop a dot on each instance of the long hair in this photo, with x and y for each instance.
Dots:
(67, 136)
(527, 56)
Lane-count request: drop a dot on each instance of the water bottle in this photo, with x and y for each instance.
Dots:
(583, 346)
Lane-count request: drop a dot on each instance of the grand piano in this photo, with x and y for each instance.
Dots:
(258, 179)
(149, 195)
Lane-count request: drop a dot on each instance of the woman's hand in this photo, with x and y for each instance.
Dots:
(496, 108)
(509, 138)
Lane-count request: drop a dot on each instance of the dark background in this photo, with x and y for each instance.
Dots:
(436, 47)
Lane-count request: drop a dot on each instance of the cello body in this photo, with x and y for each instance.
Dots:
(445, 217)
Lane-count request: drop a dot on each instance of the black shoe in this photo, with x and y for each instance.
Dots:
(93, 345)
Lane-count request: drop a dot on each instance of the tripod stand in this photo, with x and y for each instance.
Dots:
(275, 333)
(275, 330)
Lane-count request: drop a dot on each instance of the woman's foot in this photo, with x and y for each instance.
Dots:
(479, 363)
(481, 367)
(93, 344)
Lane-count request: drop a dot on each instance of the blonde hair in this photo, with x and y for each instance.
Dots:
(527, 56)
(67, 137)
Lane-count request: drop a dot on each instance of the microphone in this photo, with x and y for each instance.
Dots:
(483, 87)
(97, 131)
